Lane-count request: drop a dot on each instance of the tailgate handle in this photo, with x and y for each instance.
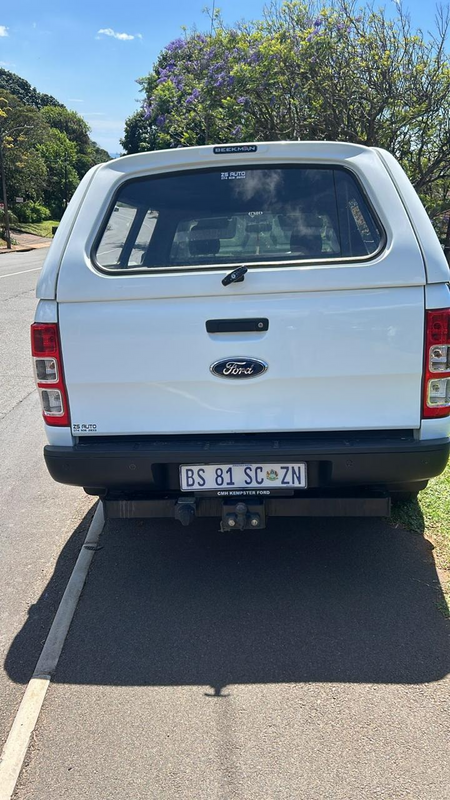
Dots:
(237, 325)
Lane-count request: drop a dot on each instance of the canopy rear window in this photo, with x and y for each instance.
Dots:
(215, 217)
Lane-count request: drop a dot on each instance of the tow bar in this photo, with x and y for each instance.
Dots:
(242, 515)
(248, 514)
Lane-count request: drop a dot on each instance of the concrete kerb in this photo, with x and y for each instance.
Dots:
(24, 249)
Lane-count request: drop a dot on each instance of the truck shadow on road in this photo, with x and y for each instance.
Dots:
(311, 600)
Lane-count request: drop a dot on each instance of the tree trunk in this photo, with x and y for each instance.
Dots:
(447, 241)
(5, 200)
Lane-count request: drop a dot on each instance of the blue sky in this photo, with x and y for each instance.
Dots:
(58, 47)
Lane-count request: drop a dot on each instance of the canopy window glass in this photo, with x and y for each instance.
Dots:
(215, 217)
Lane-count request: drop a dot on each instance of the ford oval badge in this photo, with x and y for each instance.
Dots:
(238, 368)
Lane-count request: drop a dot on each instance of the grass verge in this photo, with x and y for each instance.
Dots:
(38, 228)
(430, 515)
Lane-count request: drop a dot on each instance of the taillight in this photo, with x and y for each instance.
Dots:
(436, 399)
(48, 372)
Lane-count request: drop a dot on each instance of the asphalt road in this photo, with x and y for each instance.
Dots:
(38, 517)
(307, 661)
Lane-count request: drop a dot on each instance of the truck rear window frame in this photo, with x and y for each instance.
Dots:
(263, 264)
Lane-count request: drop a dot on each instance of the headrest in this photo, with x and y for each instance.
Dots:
(306, 235)
(202, 243)
(308, 244)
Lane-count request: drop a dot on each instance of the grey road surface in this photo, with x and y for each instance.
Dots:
(37, 517)
(305, 662)
(308, 661)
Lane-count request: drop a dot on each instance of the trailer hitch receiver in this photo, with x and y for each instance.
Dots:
(242, 516)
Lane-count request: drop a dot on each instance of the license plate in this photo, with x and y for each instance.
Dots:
(204, 477)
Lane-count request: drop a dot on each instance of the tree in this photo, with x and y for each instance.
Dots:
(27, 94)
(308, 71)
(45, 149)
(59, 155)
(139, 134)
(20, 128)
(77, 130)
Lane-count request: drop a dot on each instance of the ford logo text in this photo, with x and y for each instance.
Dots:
(236, 368)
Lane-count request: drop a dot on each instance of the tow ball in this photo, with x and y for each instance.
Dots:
(242, 516)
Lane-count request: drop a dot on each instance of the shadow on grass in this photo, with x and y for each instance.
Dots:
(409, 514)
(312, 600)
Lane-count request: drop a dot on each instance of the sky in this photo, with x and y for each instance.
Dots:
(89, 54)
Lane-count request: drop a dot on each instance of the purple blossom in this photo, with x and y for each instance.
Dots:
(200, 38)
(176, 45)
(273, 100)
(192, 97)
(253, 58)
(236, 133)
(149, 110)
(230, 80)
(318, 22)
(242, 101)
(165, 74)
(358, 19)
(178, 82)
(160, 121)
(315, 32)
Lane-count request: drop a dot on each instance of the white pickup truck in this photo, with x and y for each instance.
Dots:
(245, 331)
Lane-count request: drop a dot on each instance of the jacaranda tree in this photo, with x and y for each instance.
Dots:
(304, 71)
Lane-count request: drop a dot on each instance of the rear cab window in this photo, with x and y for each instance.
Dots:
(217, 217)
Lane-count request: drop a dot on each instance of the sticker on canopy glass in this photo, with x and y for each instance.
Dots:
(232, 176)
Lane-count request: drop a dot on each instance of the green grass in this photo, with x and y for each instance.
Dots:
(430, 515)
(38, 228)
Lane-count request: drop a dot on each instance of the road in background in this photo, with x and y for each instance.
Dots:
(38, 516)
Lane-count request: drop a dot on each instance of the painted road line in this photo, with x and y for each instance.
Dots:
(18, 740)
(22, 272)
(16, 745)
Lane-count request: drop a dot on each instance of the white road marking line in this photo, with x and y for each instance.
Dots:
(16, 745)
(18, 740)
(22, 271)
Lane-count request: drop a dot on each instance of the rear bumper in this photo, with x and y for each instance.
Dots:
(334, 461)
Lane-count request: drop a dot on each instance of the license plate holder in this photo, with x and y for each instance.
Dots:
(232, 477)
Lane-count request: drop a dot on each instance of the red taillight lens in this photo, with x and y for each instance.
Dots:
(44, 339)
(49, 375)
(436, 388)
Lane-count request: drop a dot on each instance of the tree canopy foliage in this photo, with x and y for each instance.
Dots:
(27, 94)
(333, 71)
(45, 149)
